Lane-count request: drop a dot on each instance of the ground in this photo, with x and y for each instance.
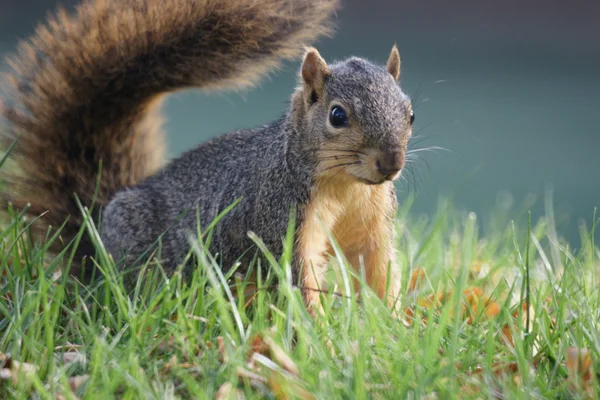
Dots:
(512, 313)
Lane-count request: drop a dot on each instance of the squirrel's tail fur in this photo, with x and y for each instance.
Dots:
(86, 87)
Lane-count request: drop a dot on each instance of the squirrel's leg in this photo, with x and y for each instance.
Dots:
(312, 280)
(383, 275)
(376, 247)
(311, 258)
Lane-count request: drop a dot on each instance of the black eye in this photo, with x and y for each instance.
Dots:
(412, 117)
(338, 117)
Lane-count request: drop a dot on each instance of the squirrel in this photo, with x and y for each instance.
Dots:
(87, 88)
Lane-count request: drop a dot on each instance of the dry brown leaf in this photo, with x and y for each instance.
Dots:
(250, 288)
(431, 301)
(497, 368)
(258, 345)
(169, 365)
(282, 358)
(69, 347)
(74, 357)
(415, 279)
(580, 367)
(174, 362)
(196, 318)
(473, 389)
(5, 374)
(492, 309)
(266, 346)
(283, 384)
(284, 388)
(228, 392)
(59, 396)
(473, 385)
(473, 296)
(165, 346)
(75, 382)
(506, 330)
(11, 369)
(250, 376)
(170, 345)
(221, 349)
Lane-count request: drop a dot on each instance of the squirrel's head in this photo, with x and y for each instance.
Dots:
(354, 117)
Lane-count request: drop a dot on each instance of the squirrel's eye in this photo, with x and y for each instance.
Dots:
(412, 117)
(338, 117)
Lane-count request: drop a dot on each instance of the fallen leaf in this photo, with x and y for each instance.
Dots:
(75, 382)
(283, 384)
(250, 376)
(474, 298)
(579, 365)
(170, 365)
(415, 279)
(69, 347)
(164, 346)
(11, 369)
(71, 357)
(221, 349)
(506, 330)
(258, 345)
(228, 392)
(266, 346)
(250, 289)
(5, 374)
(498, 369)
(284, 388)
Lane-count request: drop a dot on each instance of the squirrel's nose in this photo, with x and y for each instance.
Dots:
(390, 162)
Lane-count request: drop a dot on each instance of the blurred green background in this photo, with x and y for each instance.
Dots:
(511, 89)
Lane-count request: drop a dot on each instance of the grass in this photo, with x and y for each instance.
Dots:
(201, 338)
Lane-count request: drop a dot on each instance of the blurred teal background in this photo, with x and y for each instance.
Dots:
(511, 89)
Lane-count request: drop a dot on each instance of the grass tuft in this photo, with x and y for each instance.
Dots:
(510, 314)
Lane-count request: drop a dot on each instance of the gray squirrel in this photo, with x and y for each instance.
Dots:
(87, 88)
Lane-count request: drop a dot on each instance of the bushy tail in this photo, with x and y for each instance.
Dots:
(87, 87)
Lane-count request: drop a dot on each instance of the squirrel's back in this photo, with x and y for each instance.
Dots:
(86, 88)
(247, 168)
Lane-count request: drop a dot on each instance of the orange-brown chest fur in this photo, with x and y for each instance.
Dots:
(356, 215)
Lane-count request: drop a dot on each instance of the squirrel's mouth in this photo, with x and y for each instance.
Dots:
(380, 166)
(384, 179)
(370, 182)
(372, 172)
(370, 166)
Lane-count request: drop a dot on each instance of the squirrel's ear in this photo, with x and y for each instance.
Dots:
(393, 64)
(314, 69)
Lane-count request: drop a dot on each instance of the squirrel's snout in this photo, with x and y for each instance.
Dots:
(390, 162)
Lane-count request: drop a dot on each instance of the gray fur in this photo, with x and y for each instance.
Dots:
(271, 169)
(254, 166)
(87, 88)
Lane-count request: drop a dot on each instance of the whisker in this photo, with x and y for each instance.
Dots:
(346, 151)
(332, 176)
(416, 162)
(337, 157)
(341, 165)
(418, 134)
(404, 177)
(411, 180)
(416, 96)
(320, 149)
(418, 173)
(431, 149)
